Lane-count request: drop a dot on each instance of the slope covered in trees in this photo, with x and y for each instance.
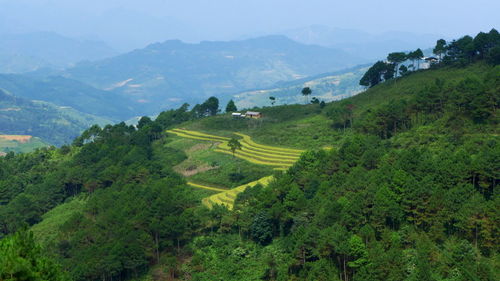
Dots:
(407, 191)
(54, 124)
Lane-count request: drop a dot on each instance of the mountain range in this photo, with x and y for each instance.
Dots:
(165, 75)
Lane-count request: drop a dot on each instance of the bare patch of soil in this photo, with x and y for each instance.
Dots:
(21, 139)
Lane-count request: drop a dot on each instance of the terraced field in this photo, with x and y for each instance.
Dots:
(227, 197)
(278, 158)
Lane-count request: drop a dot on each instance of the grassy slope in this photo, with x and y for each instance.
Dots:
(304, 127)
(47, 230)
(404, 88)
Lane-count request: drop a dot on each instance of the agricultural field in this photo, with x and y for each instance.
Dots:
(19, 143)
(292, 126)
(254, 162)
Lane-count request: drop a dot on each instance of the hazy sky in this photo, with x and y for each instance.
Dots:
(132, 23)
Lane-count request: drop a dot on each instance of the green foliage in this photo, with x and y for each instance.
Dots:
(440, 48)
(461, 52)
(261, 230)
(405, 185)
(306, 92)
(22, 259)
(407, 191)
(234, 144)
(375, 74)
(231, 107)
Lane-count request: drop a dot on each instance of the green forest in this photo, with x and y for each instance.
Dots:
(399, 182)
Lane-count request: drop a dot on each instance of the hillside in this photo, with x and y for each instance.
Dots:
(326, 87)
(165, 75)
(53, 124)
(396, 183)
(69, 93)
(19, 144)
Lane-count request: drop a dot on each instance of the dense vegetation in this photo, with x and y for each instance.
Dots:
(407, 190)
(410, 193)
(23, 259)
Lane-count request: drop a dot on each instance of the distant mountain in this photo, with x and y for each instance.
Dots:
(31, 51)
(167, 74)
(371, 46)
(326, 87)
(69, 93)
(53, 124)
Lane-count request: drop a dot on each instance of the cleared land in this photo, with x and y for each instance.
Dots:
(19, 138)
(19, 143)
(279, 158)
(227, 197)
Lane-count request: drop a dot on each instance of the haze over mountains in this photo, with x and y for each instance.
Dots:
(367, 45)
(89, 77)
(167, 74)
(26, 52)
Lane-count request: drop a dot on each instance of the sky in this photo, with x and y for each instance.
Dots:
(126, 24)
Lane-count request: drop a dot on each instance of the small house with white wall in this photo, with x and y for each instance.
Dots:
(253, 114)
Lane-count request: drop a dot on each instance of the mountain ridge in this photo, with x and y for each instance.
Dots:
(164, 75)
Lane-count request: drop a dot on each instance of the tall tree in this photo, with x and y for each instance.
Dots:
(374, 74)
(397, 58)
(22, 259)
(416, 56)
(306, 92)
(440, 48)
(231, 107)
(211, 106)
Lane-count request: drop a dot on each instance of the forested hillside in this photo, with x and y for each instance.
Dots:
(54, 124)
(398, 183)
(69, 93)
